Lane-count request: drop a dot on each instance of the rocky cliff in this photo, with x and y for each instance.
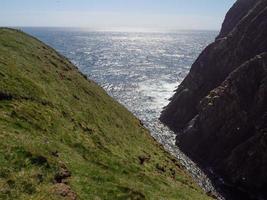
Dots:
(220, 109)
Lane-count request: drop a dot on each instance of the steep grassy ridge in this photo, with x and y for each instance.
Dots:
(63, 137)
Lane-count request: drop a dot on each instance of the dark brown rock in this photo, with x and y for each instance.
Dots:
(231, 117)
(239, 10)
(216, 62)
(65, 191)
(220, 109)
(62, 174)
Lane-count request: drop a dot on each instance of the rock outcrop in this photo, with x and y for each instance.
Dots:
(220, 109)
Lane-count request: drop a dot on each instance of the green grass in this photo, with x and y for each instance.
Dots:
(52, 116)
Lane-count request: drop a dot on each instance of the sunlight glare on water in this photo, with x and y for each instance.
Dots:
(139, 69)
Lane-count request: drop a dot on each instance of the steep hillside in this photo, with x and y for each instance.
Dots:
(220, 109)
(63, 137)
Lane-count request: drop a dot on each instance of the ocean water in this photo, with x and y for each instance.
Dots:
(139, 69)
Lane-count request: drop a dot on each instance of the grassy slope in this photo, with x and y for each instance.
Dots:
(52, 116)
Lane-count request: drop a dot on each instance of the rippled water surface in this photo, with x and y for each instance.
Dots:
(141, 70)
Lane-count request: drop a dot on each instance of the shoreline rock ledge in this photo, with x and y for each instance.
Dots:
(220, 109)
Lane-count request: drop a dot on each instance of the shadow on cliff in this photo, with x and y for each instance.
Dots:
(220, 109)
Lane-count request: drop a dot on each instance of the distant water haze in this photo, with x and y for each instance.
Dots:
(106, 14)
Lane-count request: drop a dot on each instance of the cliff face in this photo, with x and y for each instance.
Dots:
(220, 109)
(246, 40)
(238, 11)
(63, 137)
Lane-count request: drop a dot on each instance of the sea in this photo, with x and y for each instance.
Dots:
(140, 69)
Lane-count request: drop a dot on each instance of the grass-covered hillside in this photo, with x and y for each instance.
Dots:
(63, 137)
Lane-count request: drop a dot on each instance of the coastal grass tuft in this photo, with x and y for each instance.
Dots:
(63, 137)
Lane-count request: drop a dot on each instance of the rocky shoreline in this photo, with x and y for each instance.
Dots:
(204, 178)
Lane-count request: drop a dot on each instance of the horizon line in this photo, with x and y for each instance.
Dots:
(115, 28)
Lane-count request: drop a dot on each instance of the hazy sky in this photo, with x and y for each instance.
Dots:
(173, 14)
